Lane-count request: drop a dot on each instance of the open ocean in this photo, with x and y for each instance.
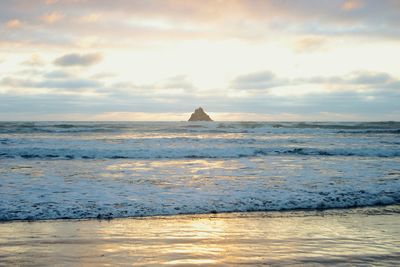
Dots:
(77, 170)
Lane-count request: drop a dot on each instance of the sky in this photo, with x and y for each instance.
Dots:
(269, 60)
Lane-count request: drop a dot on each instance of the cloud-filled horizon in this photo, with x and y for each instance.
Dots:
(239, 59)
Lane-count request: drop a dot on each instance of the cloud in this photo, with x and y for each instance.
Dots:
(180, 82)
(359, 80)
(69, 60)
(13, 24)
(51, 18)
(68, 84)
(316, 106)
(15, 82)
(33, 80)
(171, 89)
(370, 78)
(65, 93)
(310, 44)
(50, 2)
(34, 61)
(103, 75)
(367, 79)
(91, 18)
(350, 5)
(128, 23)
(53, 83)
(181, 36)
(257, 80)
(58, 75)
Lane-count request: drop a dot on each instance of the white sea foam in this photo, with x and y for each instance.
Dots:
(85, 170)
(119, 188)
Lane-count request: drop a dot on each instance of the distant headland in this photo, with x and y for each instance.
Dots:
(199, 115)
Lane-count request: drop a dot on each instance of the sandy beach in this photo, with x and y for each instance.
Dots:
(344, 237)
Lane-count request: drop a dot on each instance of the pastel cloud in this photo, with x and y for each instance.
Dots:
(362, 81)
(70, 60)
(13, 24)
(310, 44)
(352, 5)
(257, 80)
(145, 21)
(70, 84)
(367, 79)
(50, 2)
(34, 60)
(52, 17)
(299, 58)
(179, 82)
(334, 105)
(91, 18)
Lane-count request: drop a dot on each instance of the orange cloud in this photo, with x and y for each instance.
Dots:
(352, 5)
(309, 44)
(94, 17)
(52, 17)
(50, 2)
(13, 24)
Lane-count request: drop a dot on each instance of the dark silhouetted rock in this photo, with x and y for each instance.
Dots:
(200, 115)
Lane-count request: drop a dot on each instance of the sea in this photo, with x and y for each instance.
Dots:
(104, 170)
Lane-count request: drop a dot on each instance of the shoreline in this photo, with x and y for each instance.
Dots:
(367, 210)
(351, 236)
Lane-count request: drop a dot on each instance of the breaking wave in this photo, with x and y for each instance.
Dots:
(245, 127)
(179, 153)
(81, 170)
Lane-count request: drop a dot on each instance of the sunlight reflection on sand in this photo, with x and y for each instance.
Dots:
(222, 239)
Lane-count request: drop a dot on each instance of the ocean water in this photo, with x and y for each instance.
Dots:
(55, 170)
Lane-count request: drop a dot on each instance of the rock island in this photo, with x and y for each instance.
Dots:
(199, 115)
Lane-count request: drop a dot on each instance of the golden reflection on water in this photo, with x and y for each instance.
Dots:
(224, 239)
(183, 173)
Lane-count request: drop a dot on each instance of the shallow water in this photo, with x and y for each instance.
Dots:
(369, 236)
(78, 170)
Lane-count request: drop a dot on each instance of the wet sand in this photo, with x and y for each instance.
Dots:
(344, 237)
